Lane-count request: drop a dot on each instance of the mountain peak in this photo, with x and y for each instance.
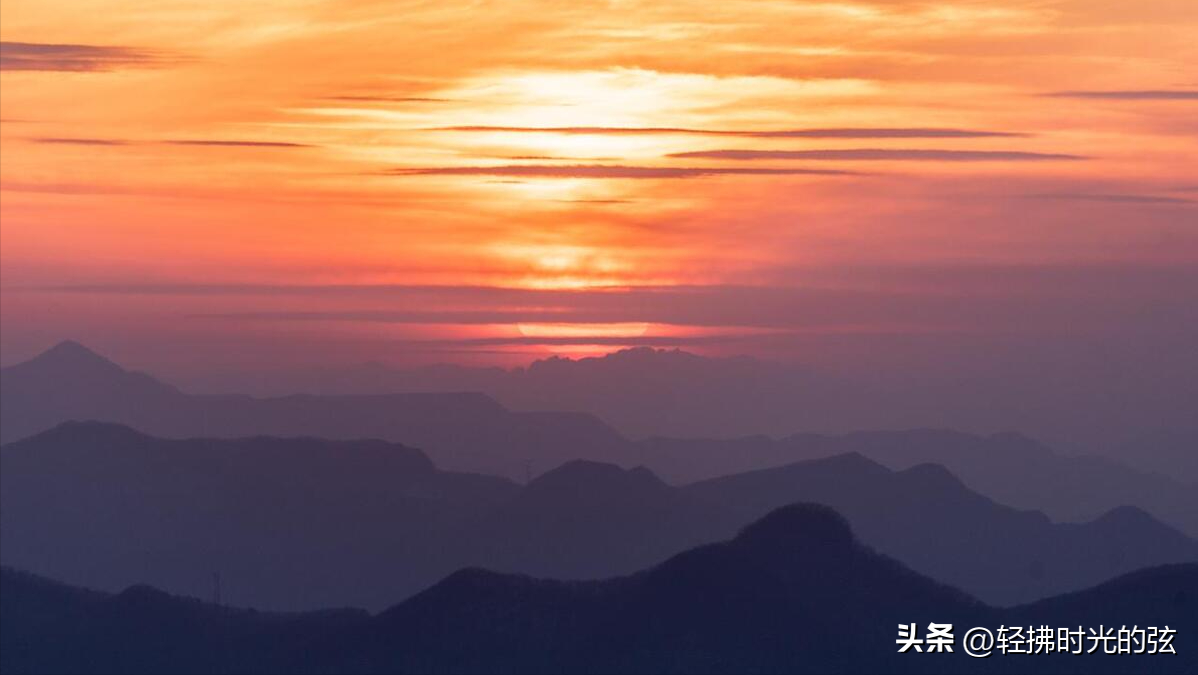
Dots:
(799, 525)
(587, 475)
(632, 356)
(74, 353)
(1129, 518)
(84, 433)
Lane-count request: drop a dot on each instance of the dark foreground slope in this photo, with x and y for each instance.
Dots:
(46, 627)
(793, 592)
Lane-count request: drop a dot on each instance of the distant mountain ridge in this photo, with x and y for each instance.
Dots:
(70, 382)
(645, 392)
(795, 591)
(294, 523)
(472, 432)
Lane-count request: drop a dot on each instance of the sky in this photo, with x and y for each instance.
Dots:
(892, 185)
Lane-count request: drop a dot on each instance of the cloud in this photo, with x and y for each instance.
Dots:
(625, 341)
(1131, 94)
(79, 141)
(882, 154)
(185, 141)
(847, 132)
(607, 171)
(389, 99)
(36, 56)
(236, 143)
(1113, 198)
(924, 297)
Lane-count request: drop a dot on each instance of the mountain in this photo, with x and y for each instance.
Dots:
(287, 523)
(296, 523)
(932, 522)
(1007, 467)
(641, 391)
(47, 627)
(794, 591)
(588, 520)
(471, 432)
(645, 392)
(463, 431)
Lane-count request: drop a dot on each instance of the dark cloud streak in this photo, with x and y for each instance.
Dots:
(1130, 95)
(35, 56)
(235, 143)
(185, 142)
(880, 154)
(1113, 198)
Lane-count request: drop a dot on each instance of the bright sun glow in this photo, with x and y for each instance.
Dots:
(583, 330)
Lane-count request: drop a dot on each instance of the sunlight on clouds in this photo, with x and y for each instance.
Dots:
(609, 330)
(357, 97)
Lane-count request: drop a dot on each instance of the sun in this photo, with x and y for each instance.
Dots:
(571, 339)
(583, 330)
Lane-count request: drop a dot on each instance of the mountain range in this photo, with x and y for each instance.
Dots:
(794, 591)
(645, 392)
(466, 431)
(297, 523)
(471, 432)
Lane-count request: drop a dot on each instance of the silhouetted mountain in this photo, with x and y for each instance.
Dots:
(289, 523)
(461, 431)
(641, 391)
(587, 520)
(590, 521)
(300, 523)
(792, 592)
(794, 588)
(927, 518)
(471, 432)
(46, 627)
(1009, 468)
(645, 392)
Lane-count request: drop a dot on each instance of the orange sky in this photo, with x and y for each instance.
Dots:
(467, 178)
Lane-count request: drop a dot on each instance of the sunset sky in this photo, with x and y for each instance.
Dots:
(489, 182)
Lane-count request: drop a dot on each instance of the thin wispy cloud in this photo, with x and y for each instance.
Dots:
(1131, 94)
(626, 341)
(227, 143)
(848, 132)
(1113, 198)
(881, 154)
(387, 99)
(929, 295)
(79, 141)
(236, 143)
(608, 171)
(36, 56)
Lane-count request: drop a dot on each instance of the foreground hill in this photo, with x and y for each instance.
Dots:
(793, 592)
(302, 523)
